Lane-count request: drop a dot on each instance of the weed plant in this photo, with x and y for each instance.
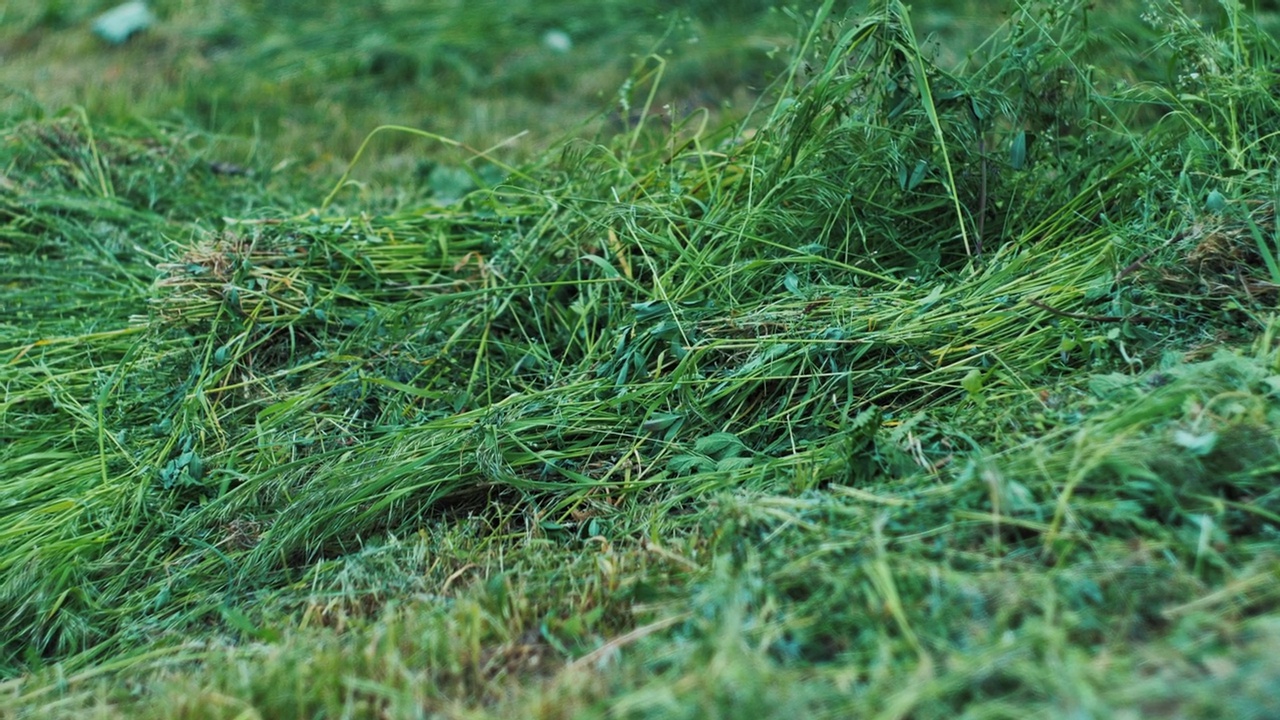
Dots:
(922, 390)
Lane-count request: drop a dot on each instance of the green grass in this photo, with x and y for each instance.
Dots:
(912, 376)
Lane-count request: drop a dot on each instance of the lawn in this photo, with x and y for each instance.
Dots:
(566, 359)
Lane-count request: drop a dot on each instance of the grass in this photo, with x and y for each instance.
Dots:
(908, 380)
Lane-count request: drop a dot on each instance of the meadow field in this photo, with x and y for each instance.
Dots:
(567, 359)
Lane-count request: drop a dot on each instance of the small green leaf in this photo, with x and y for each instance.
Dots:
(721, 444)
(917, 175)
(934, 296)
(241, 622)
(1216, 202)
(609, 270)
(658, 422)
(974, 107)
(730, 464)
(162, 598)
(1110, 386)
(681, 464)
(791, 283)
(1018, 151)
(868, 418)
(651, 309)
(195, 467)
(1273, 383)
(972, 383)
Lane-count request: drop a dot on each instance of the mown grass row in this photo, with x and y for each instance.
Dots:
(882, 395)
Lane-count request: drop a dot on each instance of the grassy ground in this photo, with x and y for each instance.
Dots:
(823, 365)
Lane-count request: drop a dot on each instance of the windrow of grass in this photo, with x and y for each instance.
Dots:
(918, 392)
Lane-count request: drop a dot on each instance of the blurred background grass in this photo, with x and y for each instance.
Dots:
(309, 80)
(305, 82)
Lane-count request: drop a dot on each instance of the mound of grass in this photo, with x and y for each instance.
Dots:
(921, 391)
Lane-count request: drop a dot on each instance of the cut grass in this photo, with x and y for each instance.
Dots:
(682, 421)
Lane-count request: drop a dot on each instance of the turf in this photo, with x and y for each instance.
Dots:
(909, 375)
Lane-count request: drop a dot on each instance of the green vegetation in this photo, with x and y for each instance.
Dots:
(833, 367)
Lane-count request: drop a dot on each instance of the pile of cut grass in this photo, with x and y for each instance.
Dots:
(918, 393)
